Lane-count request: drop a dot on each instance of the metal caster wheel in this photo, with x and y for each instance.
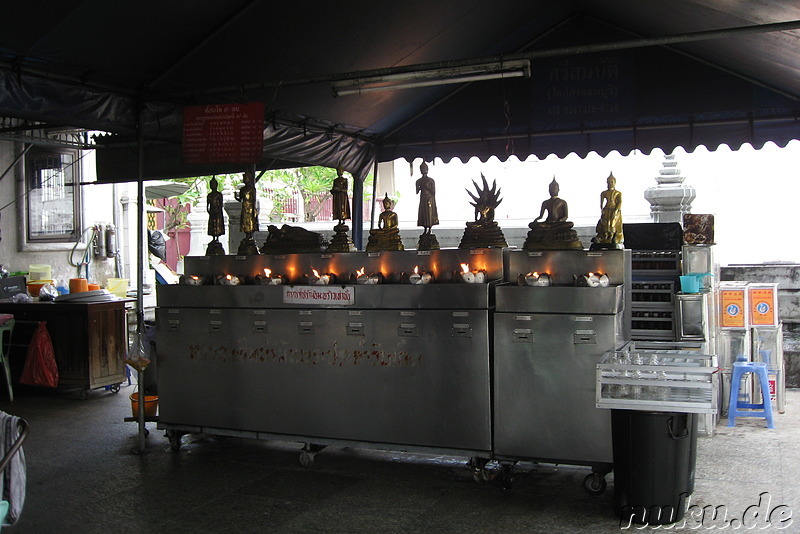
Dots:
(594, 484)
(507, 475)
(479, 472)
(308, 453)
(114, 388)
(307, 458)
(174, 438)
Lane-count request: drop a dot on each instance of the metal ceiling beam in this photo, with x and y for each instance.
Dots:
(585, 131)
(556, 52)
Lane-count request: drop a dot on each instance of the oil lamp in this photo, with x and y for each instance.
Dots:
(268, 279)
(537, 279)
(194, 280)
(367, 279)
(317, 279)
(228, 280)
(591, 280)
(477, 276)
(418, 277)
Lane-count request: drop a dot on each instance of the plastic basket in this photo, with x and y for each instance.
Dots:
(150, 404)
(118, 286)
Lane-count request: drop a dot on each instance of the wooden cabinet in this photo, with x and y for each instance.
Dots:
(89, 339)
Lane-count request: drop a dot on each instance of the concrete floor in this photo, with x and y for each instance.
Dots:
(83, 478)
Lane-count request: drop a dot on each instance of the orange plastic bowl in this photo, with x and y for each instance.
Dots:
(35, 287)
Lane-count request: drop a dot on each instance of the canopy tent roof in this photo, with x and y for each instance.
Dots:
(604, 75)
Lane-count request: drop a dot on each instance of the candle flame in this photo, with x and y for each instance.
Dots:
(195, 277)
(315, 272)
(267, 272)
(416, 269)
(465, 267)
(228, 276)
(360, 272)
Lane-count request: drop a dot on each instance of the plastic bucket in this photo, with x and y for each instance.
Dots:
(691, 282)
(150, 405)
(39, 272)
(118, 286)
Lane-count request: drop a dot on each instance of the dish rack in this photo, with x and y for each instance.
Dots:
(658, 380)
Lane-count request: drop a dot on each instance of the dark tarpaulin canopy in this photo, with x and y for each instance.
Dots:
(604, 76)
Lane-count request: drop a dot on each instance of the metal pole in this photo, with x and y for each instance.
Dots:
(358, 211)
(374, 194)
(140, 239)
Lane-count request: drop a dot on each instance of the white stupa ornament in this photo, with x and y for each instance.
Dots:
(671, 198)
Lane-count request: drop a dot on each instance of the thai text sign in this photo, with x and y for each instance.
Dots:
(325, 295)
(733, 312)
(763, 302)
(223, 133)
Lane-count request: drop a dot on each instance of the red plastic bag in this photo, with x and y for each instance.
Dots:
(40, 362)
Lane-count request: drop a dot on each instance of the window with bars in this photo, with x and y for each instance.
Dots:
(52, 195)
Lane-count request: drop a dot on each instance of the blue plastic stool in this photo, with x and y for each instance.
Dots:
(763, 409)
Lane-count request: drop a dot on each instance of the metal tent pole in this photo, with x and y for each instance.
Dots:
(140, 239)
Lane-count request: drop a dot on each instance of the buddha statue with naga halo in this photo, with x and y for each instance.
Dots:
(387, 235)
(555, 232)
(484, 232)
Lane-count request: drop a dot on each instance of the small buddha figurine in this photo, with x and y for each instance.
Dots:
(216, 220)
(387, 235)
(428, 215)
(556, 208)
(340, 242)
(609, 227)
(248, 224)
(555, 232)
(341, 203)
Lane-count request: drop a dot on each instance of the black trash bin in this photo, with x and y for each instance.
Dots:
(654, 462)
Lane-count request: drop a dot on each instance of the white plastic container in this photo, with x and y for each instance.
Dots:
(39, 272)
(118, 286)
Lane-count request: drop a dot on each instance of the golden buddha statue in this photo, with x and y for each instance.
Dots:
(216, 219)
(248, 224)
(387, 235)
(555, 232)
(609, 227)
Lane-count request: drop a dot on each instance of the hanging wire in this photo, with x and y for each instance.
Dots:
(86, 259)
(26, 190)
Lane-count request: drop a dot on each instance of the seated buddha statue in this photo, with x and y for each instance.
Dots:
(555, 232)
(387, 235)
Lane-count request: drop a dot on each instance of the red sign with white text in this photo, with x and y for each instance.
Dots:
(223, 133)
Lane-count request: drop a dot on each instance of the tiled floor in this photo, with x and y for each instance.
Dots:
(83, 478)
